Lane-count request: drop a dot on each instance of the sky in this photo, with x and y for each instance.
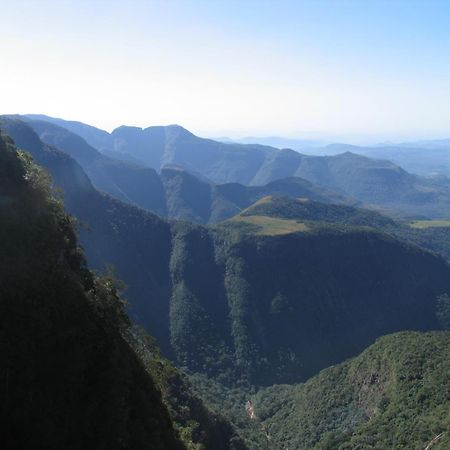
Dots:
(349, 70)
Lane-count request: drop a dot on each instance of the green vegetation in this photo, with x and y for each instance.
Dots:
(395, 395)
(69, 378)
(278, 308)
(74, 375)
(271, 226)
(312, 211)
(443, 311)
(198, 427)
(238, 306)
(430, 224)
(211, 296)
(318, 216)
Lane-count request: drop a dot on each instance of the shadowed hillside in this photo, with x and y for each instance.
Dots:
(265, 306)
(136, 242)
(298, 300)
(69, 378)
(76, 374)
(174, 193)
(395, 395)
(377, 183)
(433, 235)
(195, 200)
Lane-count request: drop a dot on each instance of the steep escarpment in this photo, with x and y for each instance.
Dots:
(395, 395)
(136, 242)
(263, 298)
(283, 306)
(130, 182)
(70, 380)
(281, 291)
(74, 373)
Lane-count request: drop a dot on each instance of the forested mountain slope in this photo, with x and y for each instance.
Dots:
(130, 182)
(76, 374)
(175, 193)
(255, 300)
(308, 210)
(274, 295)
(433, 235)
(69, 379)
(395, 395)
(189, 198)
(136, 242)
(298, 298)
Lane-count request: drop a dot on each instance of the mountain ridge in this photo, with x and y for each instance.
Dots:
(172, 192)
(175, 269)
(76, 373)
(374, 182)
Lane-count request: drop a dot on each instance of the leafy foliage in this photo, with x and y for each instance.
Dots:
(247, 309)
(443, 311)
(198, 426)
(206, 294)
(313, 211)
(281, 317)
(71, 375)
(70, 379)
(395, 395)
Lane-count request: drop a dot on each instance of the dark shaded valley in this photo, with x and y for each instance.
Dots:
(262, 274)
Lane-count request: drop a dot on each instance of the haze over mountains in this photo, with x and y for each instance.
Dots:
(424, 157)
(292, 275)
(132, 239)
(242, 239)
(430, 158)
(373, 182)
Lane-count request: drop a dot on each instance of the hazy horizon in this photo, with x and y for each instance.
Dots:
(317, 138)
(357, 72)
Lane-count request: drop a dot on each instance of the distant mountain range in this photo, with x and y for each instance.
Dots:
(118, 160)
(309, 146)
(77, 373)
(297, 278)
(173, 192)
(255, 274)
(423, 157)
(427, 158)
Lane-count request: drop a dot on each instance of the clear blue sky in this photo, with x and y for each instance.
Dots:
(232, 67)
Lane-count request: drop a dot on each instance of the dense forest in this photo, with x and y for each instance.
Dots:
(394, 395)
(75, 373)
(244, 244)
(296, 280)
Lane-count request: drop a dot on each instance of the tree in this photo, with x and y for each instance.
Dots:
(443, 310)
